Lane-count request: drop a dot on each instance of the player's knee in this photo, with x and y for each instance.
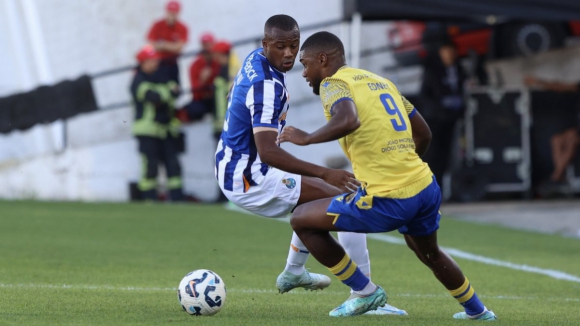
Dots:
(297, 219)
(295, 223)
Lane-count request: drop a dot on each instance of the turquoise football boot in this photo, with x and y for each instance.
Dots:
(309, 281)
(387, 309)
(487, 316)
(356, 305)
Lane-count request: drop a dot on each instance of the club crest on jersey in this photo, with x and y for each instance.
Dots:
(289, 183)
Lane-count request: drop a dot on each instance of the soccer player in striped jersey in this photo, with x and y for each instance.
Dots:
(256, 174)
(383, 136)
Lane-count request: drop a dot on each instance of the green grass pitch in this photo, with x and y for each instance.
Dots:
(118, 264)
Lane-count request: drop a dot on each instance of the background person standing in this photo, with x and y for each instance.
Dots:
(443, 105)
(155, 125)
(564, 125)
(202, 73)
(169, 36)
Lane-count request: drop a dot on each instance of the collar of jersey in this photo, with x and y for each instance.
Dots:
(260, 53)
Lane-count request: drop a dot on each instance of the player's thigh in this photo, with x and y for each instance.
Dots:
(314, 188)
(425, 220)
(313, 216)
(275, 196)
(362, 213)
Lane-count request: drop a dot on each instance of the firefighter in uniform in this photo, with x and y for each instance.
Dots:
(155, 125)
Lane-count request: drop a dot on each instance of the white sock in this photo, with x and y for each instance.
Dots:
(368, 290)
(475, 316)
(355, 245)
(297, 256)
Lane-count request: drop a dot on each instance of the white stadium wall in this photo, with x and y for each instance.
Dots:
(99, 158)
(99, 165)
(93, 156)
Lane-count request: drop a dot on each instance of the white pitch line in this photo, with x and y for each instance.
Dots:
(559, 275)
(84, 287)
(254, 291)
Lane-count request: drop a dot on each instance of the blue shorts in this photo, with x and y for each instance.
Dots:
(418, 215)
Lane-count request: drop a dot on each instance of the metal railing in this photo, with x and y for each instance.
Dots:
(246, 41)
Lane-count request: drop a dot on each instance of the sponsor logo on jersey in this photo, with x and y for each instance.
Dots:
(248, 69)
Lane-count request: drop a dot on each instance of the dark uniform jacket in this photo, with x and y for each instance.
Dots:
(153, 97)
(442, 92)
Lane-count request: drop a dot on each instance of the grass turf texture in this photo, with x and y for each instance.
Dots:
(121, 262)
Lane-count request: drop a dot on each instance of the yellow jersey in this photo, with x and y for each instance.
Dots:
(381, 150)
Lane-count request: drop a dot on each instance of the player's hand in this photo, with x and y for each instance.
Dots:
(294, 135)
(341, 179)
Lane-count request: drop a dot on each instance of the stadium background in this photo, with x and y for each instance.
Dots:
(114, 263)
(46, 42)
(49, 41)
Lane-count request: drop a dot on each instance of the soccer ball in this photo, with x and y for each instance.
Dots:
(201, 293)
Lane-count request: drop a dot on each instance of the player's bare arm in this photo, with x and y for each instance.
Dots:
(421, 133)
(343, 122)
(275, 156)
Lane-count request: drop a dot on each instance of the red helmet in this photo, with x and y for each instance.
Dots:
(207, 37)
(173, 6)
(222, 47)
(147, 52)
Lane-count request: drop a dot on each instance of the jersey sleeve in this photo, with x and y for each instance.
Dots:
(263, 101)
(409, 107)
(332, 91)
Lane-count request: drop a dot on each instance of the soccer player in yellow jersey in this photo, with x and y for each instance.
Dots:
(383, 136)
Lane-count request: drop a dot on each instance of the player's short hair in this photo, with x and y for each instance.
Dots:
(283, 22)
(322, 41)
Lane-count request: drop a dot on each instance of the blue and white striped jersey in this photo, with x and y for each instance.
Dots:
(258, 99)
